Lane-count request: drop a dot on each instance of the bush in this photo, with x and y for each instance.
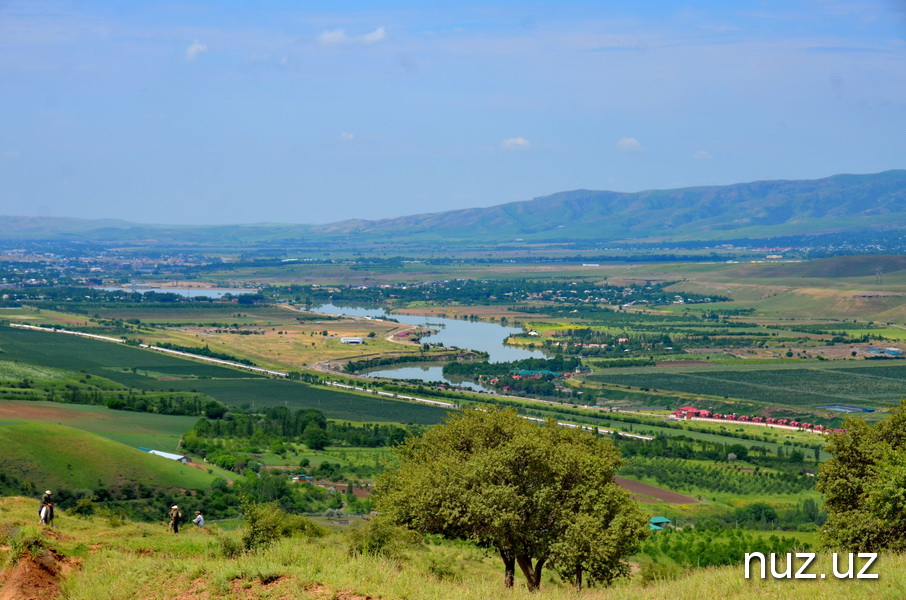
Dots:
(263, 524)
(652, 572)
(380, 537)
(84, 507)
(299, 526)
(225, 546)
(444, 568)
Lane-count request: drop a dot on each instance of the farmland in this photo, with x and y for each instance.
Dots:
(876, 386)
(741, 338)
(140, 369)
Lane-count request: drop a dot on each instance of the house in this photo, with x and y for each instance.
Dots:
(351, 340)
(658, 523)
(176, 457)
(686, 412)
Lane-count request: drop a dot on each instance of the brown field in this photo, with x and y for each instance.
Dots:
(15, 410)
(651, 494)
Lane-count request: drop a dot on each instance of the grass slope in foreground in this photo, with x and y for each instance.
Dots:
(54, 456)
(152, 564)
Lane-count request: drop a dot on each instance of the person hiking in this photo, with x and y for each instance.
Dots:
(175, 517)
(198, 520)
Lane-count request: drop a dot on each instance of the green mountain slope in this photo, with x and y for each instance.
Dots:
(54, 456)
(759, 209)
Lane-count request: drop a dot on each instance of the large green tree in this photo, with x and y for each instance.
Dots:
(538, 494)
(864, 485)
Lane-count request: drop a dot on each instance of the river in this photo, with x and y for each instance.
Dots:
(455, 333)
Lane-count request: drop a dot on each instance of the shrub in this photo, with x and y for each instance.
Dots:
(263, 524)
(652, 572)
(299, 526)
(84, 507)
(225, 546)
(380, 537)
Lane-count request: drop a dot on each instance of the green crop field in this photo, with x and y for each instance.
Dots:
(875, 386)
(56, 456)
(189, 313)
(141, 369)
(15, 371)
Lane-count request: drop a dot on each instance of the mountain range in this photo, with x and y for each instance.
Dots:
(756, 210)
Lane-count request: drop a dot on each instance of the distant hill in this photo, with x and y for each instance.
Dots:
(34, 452)
(757, 210)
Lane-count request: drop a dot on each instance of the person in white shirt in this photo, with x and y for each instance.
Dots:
(198, 520)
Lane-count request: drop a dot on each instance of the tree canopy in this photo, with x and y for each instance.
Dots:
(536, 494)
(863, 485)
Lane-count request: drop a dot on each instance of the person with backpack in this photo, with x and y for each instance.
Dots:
(175, 517)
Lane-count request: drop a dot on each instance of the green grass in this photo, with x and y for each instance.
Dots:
(151, 564)
(58, 456)
(16, 371)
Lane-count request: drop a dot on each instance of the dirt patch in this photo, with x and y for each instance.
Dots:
(278, 587)
(322, 592)
(195, 592)
(651, 494)
(34, 577)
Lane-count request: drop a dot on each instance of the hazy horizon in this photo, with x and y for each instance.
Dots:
(203, 113)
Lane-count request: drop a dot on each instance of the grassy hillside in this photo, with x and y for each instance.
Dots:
(148, 430)
(152, 564)
(56, 456)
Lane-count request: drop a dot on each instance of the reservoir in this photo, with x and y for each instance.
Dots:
(452, 333)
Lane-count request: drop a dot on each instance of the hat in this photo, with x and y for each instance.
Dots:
(174, 506)
(47, 492)
(197, 512)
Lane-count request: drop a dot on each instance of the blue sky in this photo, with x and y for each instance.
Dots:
(311, 111)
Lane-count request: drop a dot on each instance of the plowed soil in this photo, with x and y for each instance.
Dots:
(651, 494)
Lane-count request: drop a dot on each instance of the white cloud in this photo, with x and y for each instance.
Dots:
(338, 37)
(516, 143)
(11, 155)
(630, 145)
(702, 155)
(333, 38)
(347, 137)
(378, 35)
(195, 49)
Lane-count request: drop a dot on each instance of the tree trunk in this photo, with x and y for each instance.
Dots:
(532, 573)
(578, 579)
(509, 568)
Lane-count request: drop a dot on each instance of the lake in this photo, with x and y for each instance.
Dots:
(455, 333)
